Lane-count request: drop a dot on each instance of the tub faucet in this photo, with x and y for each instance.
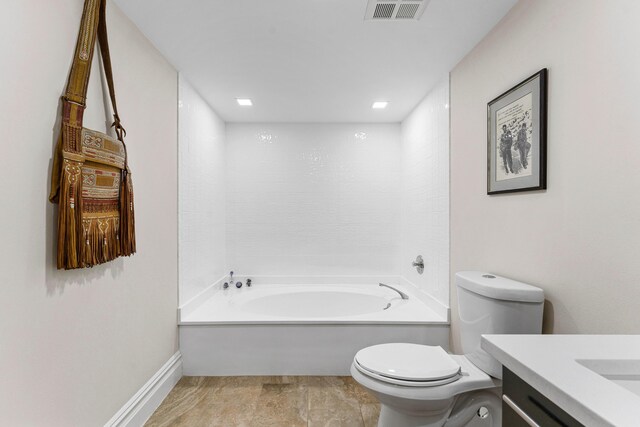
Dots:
(226, 284)
(402, 294)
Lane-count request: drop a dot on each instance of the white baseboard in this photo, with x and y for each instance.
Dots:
(142, 405)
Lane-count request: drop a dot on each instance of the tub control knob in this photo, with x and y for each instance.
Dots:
(238, 285)
(226, 285)
(248, 283)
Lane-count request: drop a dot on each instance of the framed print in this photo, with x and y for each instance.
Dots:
(517, 137)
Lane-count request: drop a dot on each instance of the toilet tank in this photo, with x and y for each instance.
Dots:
(489, 304)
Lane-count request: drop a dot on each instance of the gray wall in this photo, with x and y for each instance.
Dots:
(579, 239)
(75, 346)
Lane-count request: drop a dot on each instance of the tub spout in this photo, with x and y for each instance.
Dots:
(402, 294)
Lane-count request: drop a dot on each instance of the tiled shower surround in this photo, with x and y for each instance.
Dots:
(314, 199)
(425, 193)
(201, 193)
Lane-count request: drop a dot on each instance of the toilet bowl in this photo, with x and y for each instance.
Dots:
(431, 393)
(424, 386)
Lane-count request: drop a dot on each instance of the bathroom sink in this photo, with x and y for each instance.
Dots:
(594, 378)
(624, 373)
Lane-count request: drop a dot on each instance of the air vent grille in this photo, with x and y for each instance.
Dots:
(407, 11)
(395, 10)
(384, 11)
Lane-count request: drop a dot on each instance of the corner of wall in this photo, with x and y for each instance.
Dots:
(425, 193)
(202, 200)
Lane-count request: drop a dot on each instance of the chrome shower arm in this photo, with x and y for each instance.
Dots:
(402, 294)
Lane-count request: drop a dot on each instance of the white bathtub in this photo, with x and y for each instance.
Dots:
(301, 329)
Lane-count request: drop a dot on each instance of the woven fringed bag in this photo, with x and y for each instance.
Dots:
(91, 180)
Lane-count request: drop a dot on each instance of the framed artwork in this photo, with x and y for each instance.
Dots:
(517, 137)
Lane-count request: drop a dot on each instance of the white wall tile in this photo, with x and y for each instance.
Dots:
(313, 199)
(425, 193)
(202, 212)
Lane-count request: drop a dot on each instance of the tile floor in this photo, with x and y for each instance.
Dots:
(267, 401)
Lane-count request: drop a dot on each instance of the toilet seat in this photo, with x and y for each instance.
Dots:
(405, 364)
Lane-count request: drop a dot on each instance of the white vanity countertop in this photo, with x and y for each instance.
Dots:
(555, 366)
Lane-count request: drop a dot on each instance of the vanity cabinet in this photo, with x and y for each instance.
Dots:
(524, 406)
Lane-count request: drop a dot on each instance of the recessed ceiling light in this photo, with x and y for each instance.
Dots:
(378, 105)
(245, 102)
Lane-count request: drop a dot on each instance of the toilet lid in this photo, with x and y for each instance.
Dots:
(406, 383)
(409, 362)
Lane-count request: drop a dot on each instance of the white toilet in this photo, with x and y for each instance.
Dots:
(420, 385)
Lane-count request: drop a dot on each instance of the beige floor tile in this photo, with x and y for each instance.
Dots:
(237, 394)
(192, 418)
(336, 418)
(323, 381)
(370, 414)
(283, 380)
(183, 398)
(226, 415)
(241, 381)
(211, 414)
(331, 398)
(356, 391)
(279, 401)
(286, 402)
(276, 422)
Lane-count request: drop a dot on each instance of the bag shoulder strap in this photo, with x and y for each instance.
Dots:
(93, 24)
(106, 62)
(81, 67)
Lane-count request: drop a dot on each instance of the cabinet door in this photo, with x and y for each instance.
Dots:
(523, 405)
(514, 416)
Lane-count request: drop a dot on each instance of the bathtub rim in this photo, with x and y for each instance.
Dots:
(442, 312)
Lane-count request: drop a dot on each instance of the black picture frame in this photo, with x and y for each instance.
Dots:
(517, 137)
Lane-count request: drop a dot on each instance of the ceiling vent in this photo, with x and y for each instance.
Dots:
(395, 10)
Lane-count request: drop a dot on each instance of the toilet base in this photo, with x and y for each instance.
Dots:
(390, 417)
(450, 405)
(462, 414)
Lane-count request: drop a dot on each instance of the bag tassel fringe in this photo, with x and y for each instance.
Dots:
(70, 216)
(127, 215)
(101, 238)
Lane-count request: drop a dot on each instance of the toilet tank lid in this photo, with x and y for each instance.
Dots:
(496, 287)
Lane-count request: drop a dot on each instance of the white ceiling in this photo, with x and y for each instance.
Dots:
(311, 60)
